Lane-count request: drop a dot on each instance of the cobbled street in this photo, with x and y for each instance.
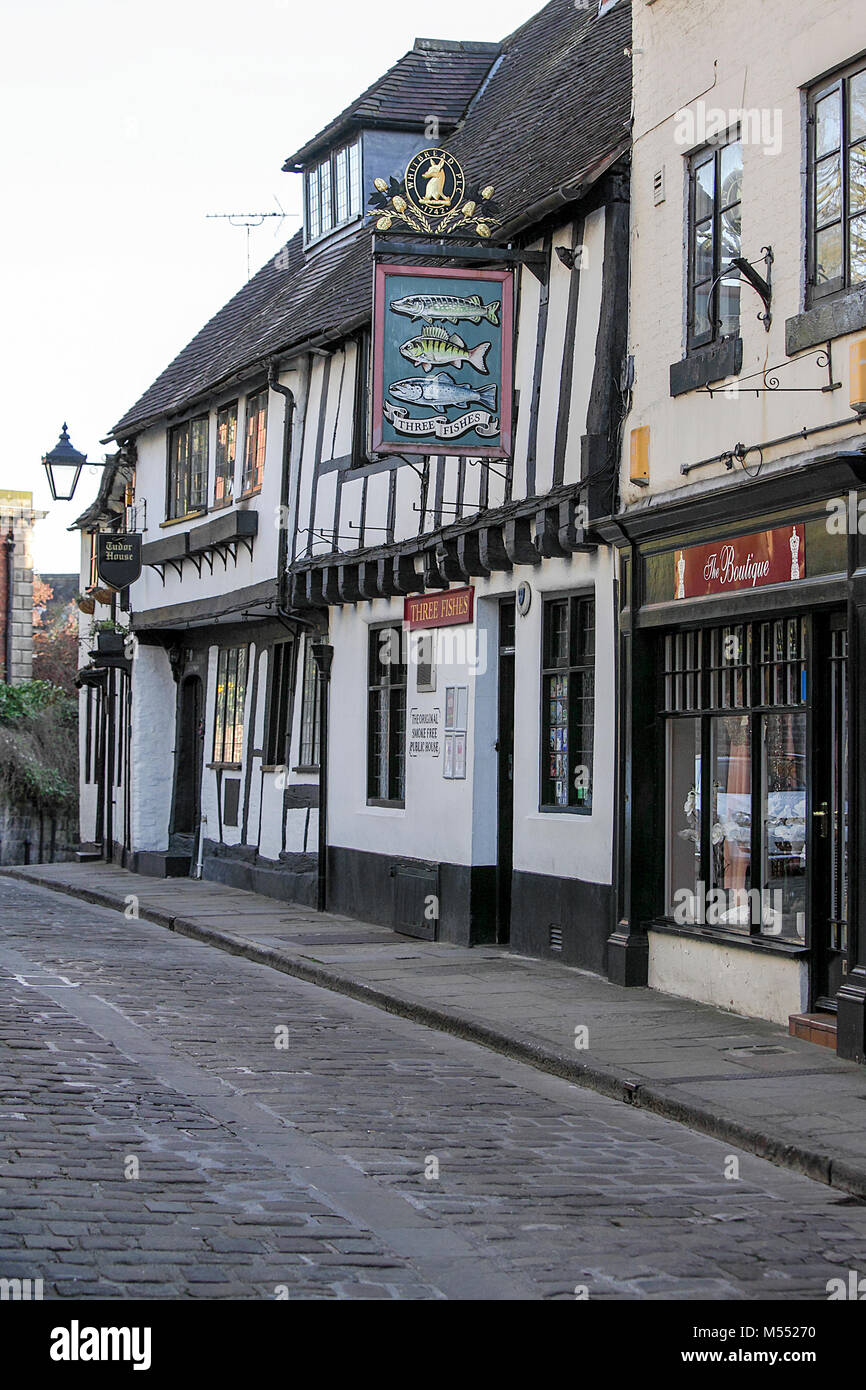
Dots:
(160, 1140)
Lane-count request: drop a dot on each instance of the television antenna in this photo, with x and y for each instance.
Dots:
(247, 220)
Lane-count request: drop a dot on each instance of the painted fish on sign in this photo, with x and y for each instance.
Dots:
(447, 306)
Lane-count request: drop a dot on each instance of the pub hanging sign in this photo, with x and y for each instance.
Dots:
(118, 558)
(442, 361)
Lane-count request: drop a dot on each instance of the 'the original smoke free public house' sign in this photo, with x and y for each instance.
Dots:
(746, 562)
(445, 609)
(118, 558)
(442, 361)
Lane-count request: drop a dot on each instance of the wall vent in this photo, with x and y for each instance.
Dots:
(659, 186)
(554, 937)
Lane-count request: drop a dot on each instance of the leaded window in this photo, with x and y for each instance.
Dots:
(334, 190)
(256, 438)
(226, 448)
(228, 736)
(187, 468)
(568, 703)
(386, 717)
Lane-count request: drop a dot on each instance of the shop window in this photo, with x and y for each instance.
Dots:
(715, 189)
(187, 468)
(568, 703)
(309, 752)
(279, 704)
(227, 433)
(228, 737)
(256, 438)
(735, 787)
(836, 216)
(386, 718)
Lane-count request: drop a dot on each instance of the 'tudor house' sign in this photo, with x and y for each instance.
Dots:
(746, 562)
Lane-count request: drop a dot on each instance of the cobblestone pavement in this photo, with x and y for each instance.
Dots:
(158, 1140)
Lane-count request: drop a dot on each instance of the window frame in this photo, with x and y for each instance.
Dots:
(696, 160)
(571, 667)
(195, 504)
(329, 188)
(839, 82)
(221, 707)
(253, 473)
(223, 474)
(396, 758)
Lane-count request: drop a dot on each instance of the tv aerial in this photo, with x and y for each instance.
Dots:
(247, 220)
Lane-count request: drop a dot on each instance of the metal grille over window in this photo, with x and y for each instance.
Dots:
(228, 741)
(386, 717)
(736, 776)
(568, 703)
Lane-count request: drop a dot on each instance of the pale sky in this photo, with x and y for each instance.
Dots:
(124, 125)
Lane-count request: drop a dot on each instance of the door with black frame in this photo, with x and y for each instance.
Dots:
(755, 827)
(505, 771)
(190, 749)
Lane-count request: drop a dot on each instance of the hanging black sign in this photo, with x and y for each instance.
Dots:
(118, 558)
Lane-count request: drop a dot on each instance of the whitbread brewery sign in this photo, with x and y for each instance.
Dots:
(118, 558)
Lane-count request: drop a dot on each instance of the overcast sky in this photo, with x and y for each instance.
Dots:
(123, 126)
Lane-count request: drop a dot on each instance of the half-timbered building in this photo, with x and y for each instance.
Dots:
(470, 776)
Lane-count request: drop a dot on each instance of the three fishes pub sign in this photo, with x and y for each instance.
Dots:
(442, 337)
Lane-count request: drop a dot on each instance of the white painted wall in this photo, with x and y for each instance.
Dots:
(752, 57)
(154, 703)
(455, 820)
(753, 983)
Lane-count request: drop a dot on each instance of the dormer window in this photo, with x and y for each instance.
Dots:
(334, 190)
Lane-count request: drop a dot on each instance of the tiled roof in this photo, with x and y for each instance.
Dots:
(555, 107)
(435, 75)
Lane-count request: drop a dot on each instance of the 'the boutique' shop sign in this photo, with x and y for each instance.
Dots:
(746, 562)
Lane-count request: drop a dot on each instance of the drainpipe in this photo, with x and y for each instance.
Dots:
(323, 655)
(10, 578)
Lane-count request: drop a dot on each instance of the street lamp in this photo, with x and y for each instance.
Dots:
(63, 467)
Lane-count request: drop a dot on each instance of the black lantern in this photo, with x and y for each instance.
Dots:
(63, 467)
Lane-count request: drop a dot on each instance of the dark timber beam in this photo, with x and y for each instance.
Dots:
(469, 555)
(491, 549)
(518, 542)
(347, 583)
(433, 576)
(406, 578)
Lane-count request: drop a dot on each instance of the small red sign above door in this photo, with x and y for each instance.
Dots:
(746, 562)
(445, 609)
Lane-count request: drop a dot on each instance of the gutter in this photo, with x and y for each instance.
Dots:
(566, 192)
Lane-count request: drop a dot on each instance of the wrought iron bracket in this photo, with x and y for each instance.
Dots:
(761, 284)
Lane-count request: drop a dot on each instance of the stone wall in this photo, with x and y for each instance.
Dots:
(31, 836)
(17, 519)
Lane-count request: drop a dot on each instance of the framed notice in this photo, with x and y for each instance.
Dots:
(442, 361)
(456, 719)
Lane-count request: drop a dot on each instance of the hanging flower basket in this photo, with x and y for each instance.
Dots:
(103, 595)
(86, 603)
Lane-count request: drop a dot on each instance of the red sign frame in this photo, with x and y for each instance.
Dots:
(444, 608)
(505, 278)
(743, 562)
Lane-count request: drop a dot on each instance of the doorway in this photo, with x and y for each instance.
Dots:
(190, 748)
(505, 771)
(830, 816)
